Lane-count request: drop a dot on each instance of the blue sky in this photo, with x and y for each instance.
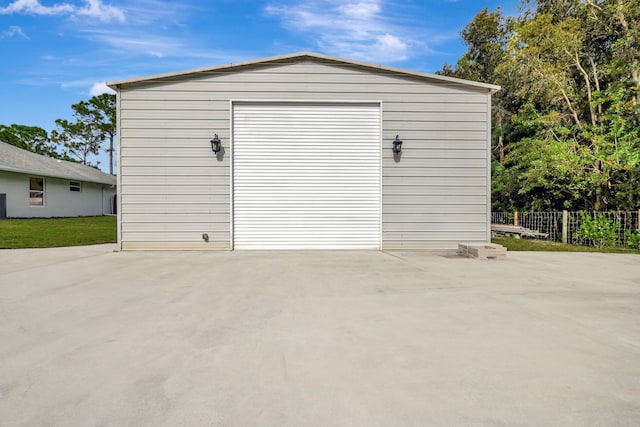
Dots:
(56, 53)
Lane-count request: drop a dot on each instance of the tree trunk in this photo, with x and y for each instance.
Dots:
(594, 71)
(574, 113)
(597, 206)
(635, 73)
(587, 83)
(635, 76)
(500, 145)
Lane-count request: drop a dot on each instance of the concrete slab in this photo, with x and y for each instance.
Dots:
(90, 337)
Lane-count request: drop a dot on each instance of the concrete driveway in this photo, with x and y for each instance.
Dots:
(89, 337)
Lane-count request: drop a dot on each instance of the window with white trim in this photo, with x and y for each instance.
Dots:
(36, 191)
(75, 186)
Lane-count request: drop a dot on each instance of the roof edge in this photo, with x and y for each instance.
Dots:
(57, 176)
(117, 84)
(50, 167)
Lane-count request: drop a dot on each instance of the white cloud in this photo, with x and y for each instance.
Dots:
(158, 12)
(389, 45)
(101, 11)
(145, 43)
(14, 31)
(33, 7)
(363, 10)
(357, 29)
(91, 8)
(99, 88)
(136, 42)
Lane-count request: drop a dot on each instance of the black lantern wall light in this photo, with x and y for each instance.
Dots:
(397, 145)
(216, 145)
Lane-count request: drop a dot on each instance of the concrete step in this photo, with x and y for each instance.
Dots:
(482, 250)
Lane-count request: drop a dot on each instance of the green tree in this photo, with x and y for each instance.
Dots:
(99, 112)
(95, 122)
(615, 31)
(78, 139)
(485, 36)
(31, 138)
(566, 125)
(582, 130)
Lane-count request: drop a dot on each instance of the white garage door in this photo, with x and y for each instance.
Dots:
(306, 176)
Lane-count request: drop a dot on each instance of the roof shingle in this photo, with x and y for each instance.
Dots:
(14, 159)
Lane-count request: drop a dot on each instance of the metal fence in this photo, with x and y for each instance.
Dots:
(554, 223)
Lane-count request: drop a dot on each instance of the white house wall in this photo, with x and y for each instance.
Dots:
(93, 200)
(173, 189)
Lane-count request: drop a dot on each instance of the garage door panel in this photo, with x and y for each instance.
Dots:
(306, 176)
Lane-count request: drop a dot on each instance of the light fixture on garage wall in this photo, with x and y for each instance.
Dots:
(397, 145)
(216, 144)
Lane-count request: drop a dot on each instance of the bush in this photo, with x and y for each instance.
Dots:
(632, 239)
(600, 231)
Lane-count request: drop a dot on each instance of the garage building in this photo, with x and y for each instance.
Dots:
(306, 158)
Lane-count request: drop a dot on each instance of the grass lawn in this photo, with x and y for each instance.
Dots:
(54, 232)
(513, 244)
(93, 230)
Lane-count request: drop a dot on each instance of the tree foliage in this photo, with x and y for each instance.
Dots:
(31, 138)
(94, 126)
(566, 125)
(78, 139)
(99, 113)
(95, 122)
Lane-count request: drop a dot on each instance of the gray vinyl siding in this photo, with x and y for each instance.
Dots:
(173, 188)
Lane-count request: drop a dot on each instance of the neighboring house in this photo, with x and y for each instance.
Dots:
(307, 158)
(32, 185)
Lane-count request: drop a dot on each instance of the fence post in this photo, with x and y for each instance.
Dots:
(515, 218)
(565, 227)
(638, 223)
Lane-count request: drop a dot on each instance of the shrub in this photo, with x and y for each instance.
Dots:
(632, 239)
(600, 231)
